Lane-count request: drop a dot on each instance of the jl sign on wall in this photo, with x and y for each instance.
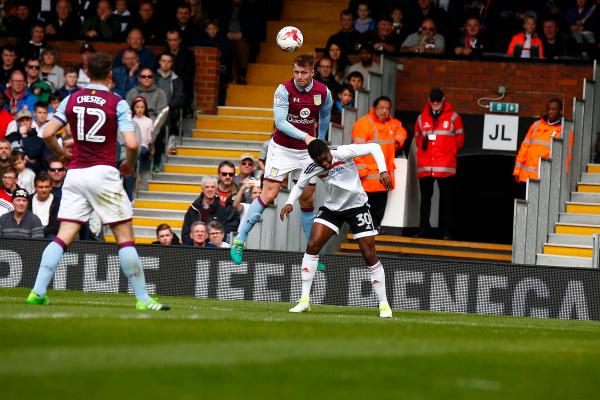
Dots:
(500, 132)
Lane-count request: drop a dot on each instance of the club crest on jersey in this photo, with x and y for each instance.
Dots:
(304, 113)
(317, 99)
(274, 172)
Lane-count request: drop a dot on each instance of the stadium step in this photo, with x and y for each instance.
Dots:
(593, 168)
(251, 95)
(166, 196)
(581, 197)
(588, 187)
(139, 239)
(271, 54)
(234, 123)
(568, 250)
(192, 169)
(197, 160)
(215, 152)
(590, 219)
(590, 177)
(583, 208)
(577, 229)
(232, 135)
(268, 74)
(311, 9)
(245, 111)
(154, 222)
(177, 187)
(396, 245)
(562, 239)
(162, 204)
(177, 177)
(563, 261)
(157, 213)
(220, 144)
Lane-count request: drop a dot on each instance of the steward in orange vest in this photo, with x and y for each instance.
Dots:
(537, 142)
(378, 126)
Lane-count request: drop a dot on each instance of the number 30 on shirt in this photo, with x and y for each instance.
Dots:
(90, 136)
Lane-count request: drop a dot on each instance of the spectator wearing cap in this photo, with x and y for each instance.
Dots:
(63, 23)
(45, 205)
(438, 135)
(51, 72)
(18, 96)
(26, 140)
(84, 55)
(366, 63)
(102, 26)
(165, 236)
(247, 167)
(135, 42)
(21, 223)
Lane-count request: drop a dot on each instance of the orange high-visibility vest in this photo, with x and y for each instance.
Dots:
(535, 145)
(369, 129)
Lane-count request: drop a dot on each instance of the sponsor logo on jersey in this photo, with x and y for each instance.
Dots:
(294, 119)
(305, 112)
(317, 99)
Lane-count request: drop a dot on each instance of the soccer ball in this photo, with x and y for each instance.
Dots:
(289, 38)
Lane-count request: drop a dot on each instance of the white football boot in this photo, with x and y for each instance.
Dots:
(385, 310)
(302, 306)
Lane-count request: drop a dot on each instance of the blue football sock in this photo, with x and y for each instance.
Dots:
(252, 217)
(307, 216)
(50, 259)
(132, 268)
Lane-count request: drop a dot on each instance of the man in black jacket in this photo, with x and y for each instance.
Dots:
(207, 207)
(185, 63)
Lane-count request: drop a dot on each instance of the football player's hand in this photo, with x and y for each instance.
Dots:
(384, 179)
(308, 139)
(288, 208)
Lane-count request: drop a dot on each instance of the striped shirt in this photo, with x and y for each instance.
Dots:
(30, 226)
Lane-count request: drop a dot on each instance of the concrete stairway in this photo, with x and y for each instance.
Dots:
(571, 243)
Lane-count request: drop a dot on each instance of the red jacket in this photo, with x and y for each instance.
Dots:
(444, 139)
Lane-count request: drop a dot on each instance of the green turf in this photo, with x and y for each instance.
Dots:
(96, 346)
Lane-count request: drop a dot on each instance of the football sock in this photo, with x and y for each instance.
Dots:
(377, 276)
(307, 216)
(309, 268)
(132, 268)
(50, 259)
(254, 213)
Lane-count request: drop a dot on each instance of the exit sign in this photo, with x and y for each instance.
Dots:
(504, 107)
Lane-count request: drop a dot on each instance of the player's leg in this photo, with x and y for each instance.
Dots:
(269, 193)
(376, 273)
(132, 267)
(321, 231)
(50, 258)
(307, 214)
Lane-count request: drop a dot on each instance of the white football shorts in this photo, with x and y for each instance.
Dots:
(97, 188)
(281, 161)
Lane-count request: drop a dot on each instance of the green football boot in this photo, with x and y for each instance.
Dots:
(237, 251)
(151, 305)
(33, 298)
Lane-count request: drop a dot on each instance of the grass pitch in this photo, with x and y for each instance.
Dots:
(96, 346)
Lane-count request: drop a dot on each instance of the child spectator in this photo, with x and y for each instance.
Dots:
(140, 116)
(122, 14)
(526, 44)
(40, 115)
(50, 71)
(53, 102)
(25, 176)
(165, 236)
(356, 80)
(70, 82)
(363, 23)
(345, 99)
(216, 233)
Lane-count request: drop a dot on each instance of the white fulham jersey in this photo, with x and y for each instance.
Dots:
(342, 182)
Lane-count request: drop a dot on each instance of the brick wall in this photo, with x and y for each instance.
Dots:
(206, 83)
(529, 84)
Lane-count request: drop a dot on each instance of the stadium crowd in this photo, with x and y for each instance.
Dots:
(33, 82)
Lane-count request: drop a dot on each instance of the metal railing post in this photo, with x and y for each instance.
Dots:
(554, 190)
(520, 219)
(533, 195)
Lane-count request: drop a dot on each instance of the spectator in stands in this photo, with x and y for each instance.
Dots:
(156, 99)
(147, 22)
(33, 46)
(325, 75)
(50, 71)
(582, 18)
(356, 80)
(206, 208)
(44, 205)
(363, 22)
(63, 23)
(123, 15)
(537, 142)
(247, 167)
(71, 76)
(84, 54)
(526, 44)
(426, 40)
(17, 93)
(241, 202)
(5, 117)
(21, 223)
(25, 176)
(226, 188)
(57, 172)
(171, 84)
(189, 30)
(366, 63)
(165, 236)
(378, 126)
(472, 42)
(26, 140)
(9, 183)
(400, 27)
(216, 234)
(140, 117)
(383, 38)
(557, 44)
(53, 102)
(426, 9)
(438, 135)
(102, 26)
(345, 99)
(348, 38)
(37, 87)
(126, 76)
(198, 12)
(339, 60)
(135, 42)
(197, 235)
(185, 63)
(40, 117)
(19, 25)
(214, 37)
(9, 63)
(5, 150)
